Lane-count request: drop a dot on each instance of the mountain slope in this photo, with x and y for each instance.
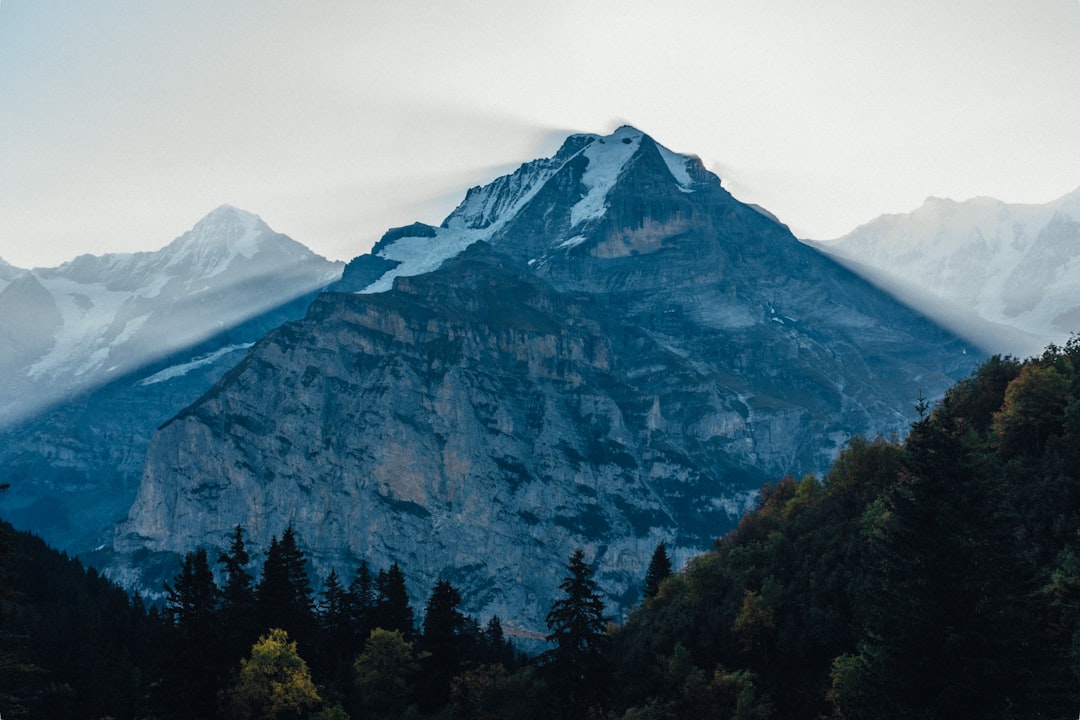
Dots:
(1014, 266)
(622, 354)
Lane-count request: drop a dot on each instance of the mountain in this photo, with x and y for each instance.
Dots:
(95, 317)
(1004, 274)
(102, 350)
(603, 349)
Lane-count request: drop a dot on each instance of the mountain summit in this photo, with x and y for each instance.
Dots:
(582, 173)
(603, 349)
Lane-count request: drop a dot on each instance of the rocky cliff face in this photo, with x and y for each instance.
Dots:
(601, 350)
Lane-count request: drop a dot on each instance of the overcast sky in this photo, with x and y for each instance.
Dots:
(122, 122)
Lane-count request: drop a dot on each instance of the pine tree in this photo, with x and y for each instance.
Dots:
(659, 570)
(392, 608)
(237, 597)
(336, 648)
(196, 660)
(577, 623)
(442, 641)
(946, 630)
(284, 593)
(192, 599)
(362, 604)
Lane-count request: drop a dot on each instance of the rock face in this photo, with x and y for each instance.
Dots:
(1012, 270)
(601, 350)
(102, 350)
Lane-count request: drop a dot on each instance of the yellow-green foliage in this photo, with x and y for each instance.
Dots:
(274, 681)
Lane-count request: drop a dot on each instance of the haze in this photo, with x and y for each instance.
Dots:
(123, 122)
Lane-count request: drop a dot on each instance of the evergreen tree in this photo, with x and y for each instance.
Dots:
(659, 570)
(495, 649)
(392, 608)
(192, 606)
(362, 604)
(946, 630)
(284, 593)
(192, 599)
(442, 642)
(577, 624)
(336, 649)
(237, 596)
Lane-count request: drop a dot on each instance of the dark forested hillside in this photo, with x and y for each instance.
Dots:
(936, 577)
(931, 578)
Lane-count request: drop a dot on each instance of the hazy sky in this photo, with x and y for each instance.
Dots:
(122, 122)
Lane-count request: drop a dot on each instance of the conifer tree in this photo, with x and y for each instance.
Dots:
(192, 599)
(362, 604)
(284, 593)
(192, 606)
(392, 608)
(442, 641)
(577, 623)
(659, 570)
(336, 648)
(237, 596)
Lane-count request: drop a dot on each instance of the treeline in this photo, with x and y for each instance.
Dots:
(936, 577)
(75, 646)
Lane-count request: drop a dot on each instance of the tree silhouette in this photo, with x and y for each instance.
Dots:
(659, 570)
(577, 623)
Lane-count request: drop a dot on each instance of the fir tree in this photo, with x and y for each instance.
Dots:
(442, 641)
(192, 599)
(659, 570)
(336, 649)
(362, 604)
(284, 593)
(237, 597)
(577, 623)
(392, 608)
(196, 660)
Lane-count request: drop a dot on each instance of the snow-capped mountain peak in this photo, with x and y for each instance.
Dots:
(579, 177)
(217, 240)
(117, 311)
(1016, 265)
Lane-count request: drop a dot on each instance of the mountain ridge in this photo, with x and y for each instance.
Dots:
(602, 363)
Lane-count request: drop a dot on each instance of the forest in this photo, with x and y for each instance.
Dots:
(933, 576)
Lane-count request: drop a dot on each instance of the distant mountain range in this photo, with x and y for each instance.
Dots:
(1006, 275)
(603, 350)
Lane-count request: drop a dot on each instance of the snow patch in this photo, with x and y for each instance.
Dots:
(418, 255)
(607, 158)
(571, 242)
(678, 167)
(184, 368)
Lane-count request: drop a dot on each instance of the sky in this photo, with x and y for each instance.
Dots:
(123, 122)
